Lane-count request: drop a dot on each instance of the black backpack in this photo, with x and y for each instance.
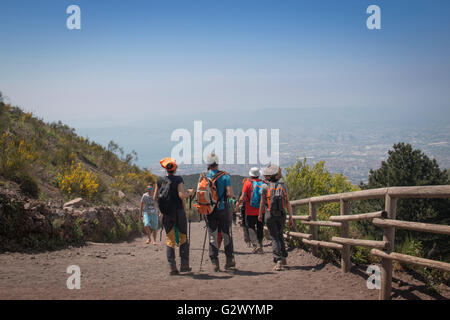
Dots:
(165, 202)
(276, 198)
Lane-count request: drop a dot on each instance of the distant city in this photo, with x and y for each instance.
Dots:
(350, 141)
(352, 150)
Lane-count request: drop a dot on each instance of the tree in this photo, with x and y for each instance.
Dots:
(406, 166)
(305, 181)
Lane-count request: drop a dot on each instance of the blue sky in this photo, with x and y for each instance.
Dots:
(204, 55)
(146, 61)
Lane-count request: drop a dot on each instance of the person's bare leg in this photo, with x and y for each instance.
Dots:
(154, 232)
(147, 231)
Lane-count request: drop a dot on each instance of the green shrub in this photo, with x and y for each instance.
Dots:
(78, 235)
(411, 246)
(28, 184)
(360, 255)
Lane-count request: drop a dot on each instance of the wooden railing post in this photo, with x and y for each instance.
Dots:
(313, 229)
(345, 253)
(389, 236)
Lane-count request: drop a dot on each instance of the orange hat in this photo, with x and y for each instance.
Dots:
(169, 164)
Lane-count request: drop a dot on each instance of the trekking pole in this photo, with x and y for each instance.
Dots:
(203, 250)
(160, 233)
(190, 213)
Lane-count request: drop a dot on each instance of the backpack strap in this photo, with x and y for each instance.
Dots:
(224, 195)
(271, 185)
(217, 176)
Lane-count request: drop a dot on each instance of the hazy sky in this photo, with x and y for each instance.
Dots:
(137, 70)
(134, 59)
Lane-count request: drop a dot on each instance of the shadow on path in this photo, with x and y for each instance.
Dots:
(317, 267)
(407, 292)
(249, 273)
(207, 276)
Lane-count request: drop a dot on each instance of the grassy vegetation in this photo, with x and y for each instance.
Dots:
(305, 180)
(35, 154)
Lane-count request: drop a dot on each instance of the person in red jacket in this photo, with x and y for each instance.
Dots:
(251, 197)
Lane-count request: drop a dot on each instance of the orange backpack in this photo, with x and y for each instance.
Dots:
(207, 197)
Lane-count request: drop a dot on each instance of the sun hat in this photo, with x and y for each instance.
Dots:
(271, 170)
(169, 164)
(212, 159)
(254, 172)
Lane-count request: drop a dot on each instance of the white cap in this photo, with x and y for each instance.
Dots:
(254, 172)
(212, 159)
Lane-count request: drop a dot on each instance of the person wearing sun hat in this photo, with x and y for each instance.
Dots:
(251, 197)
(170, 196)
(275, 192)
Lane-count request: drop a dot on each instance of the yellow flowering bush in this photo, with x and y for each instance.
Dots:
(26, 116)
(132, 181)
(15, 154)
(75, 180)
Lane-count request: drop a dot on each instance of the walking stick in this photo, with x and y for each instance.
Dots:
(190, 212)
(203, 250)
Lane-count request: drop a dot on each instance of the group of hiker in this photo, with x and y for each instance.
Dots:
(263, 201)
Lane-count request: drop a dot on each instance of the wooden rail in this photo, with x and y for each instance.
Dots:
(361, 242)
(413, 260)
(414, 226)
(385, 219)
(360, 217)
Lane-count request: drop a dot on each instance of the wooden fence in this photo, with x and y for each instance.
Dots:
(384, 219)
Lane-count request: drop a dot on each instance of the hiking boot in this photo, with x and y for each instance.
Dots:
(284, 261)
(260, 249)
(173, 271)
(215, 263)
(278, 266)
(185, 268)
(255, 249)
(230, 263)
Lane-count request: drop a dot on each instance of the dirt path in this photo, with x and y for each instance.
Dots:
(135, 270)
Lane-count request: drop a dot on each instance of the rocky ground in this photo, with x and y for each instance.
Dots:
(135, 270)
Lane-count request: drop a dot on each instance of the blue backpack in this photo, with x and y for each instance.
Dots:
(255, 197)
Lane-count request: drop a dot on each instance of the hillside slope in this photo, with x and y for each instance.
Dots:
(43, 165)
(51, 162)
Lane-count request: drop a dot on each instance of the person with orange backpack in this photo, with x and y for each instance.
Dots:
(213, 189)
(251, 198)
(275, 203)
(170, 196)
